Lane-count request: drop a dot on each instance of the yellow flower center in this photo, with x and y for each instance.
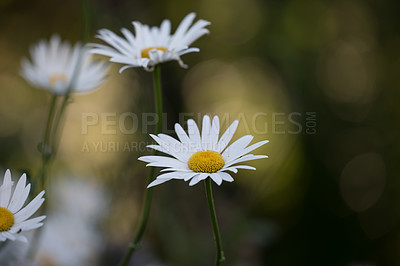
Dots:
(145, 52)
(6, 219)
(206, 162)
(56, 77)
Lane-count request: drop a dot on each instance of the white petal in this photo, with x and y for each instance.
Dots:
(27, 224)
(205, 132)
(5, 189)
(249, 149)
(203, 176)
(115, 41)
(182, 154)
(194, 180)
(129, 36)
(244, 167)
(232, 169)
(196, 31)
(227, 136)
(217, 178)
(173, 175)
(176, 169)
(186, 51)
(236, 148)
(183, 137)
(168, 176)
(163, 161)
(165, 32)
(214, 133)
(22, 238)
(126, 67)
(171, 146)
(194, 133)
(188, 176)
(248, 157)
(157, 182)
(256, 145)
(181, 151)
(31, 226)
(182, 28)
(181, 64)
(226, 177)
(9, 235)
(20, 195)
(30, 209)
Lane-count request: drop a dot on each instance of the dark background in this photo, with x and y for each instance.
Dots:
(319, 79)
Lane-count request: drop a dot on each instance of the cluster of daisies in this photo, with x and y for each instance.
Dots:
(62, 68)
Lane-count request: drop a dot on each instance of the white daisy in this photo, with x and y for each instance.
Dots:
(58, 67)
(198, 156)
(14, 218)
(151, 46)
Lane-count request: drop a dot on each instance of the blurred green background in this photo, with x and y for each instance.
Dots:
(319, 79)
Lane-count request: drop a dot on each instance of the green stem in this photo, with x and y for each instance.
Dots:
(53, 145)
(158, 97)
(42, 183)
(46, 139)
(49, 149)
(135, 244)
(46, 148)
(51, 141)
(214, 221)
(58, 119)
(56, 137)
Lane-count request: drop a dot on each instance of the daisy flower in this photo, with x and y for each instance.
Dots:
(13, 218)
(58, 67)
(198, 156)
(151, 45)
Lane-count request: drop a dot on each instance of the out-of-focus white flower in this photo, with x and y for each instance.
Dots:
(72, 236)
(58, 67)
(151, 45)
(13, 218)
(199, 156)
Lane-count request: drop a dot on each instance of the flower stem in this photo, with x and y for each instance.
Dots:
(50, 118)
(59, 118)
(51, 140)
(158, 97)
(45, 146)
(144, 216)
(214, 221)
(50, 144)
(47, 149)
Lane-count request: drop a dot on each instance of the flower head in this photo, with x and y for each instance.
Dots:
(58, 67)
(151, 46)
(13, 218)
(198, 156)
